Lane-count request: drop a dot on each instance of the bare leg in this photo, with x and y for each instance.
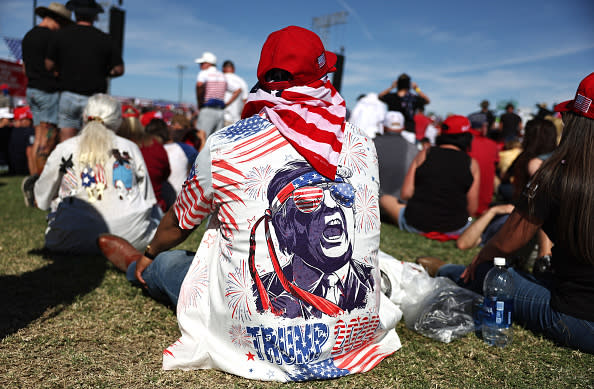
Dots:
(67, 133)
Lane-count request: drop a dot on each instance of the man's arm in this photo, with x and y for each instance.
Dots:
(420, 93)
(233, 97)
(514, 234)
(117, 71)
(168, 235)
(50, 65)
(385, 92)
(472, 196)
(200, 93)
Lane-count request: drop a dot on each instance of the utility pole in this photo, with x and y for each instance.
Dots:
(180, 69)
(322, 24)
(34, 6)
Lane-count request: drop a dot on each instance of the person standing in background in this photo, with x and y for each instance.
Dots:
(510, 124)
(210, 94)
(42, 86)
(235, 95)
(83, 58)
(403, 100)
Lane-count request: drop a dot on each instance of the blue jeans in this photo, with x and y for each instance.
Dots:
(70, 110)
(403, 225)
(44, 105)
(165, 275)
(532, 308)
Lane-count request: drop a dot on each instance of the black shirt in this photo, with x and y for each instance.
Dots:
(572, 292)
(439, 201)
(84, 56)
(407, 105)
(509, 125)
(20, 139)
(34, 46)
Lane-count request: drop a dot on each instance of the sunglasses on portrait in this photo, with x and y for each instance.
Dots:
(309, 198)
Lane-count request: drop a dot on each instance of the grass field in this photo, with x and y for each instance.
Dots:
(77, 323)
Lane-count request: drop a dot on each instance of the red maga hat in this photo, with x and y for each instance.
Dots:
(147, 117)
(455, 124)
(23, 113)
(582, 103)
(129, 111)
(299, 52)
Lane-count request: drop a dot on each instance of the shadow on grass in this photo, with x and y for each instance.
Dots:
(25, 298)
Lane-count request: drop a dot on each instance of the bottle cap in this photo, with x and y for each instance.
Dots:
(499, 261)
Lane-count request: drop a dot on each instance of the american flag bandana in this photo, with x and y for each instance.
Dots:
(311, 117)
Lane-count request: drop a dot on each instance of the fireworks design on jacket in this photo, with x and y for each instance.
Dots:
(257, 182)
(195, 285)
(366, 210)
(354, 153)
(239, 336)
(239, 292)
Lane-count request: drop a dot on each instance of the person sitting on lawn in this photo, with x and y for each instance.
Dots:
(441, 186)
(559, 199)
(285, 284)
(96, 182)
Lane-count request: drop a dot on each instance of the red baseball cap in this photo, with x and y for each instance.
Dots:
(129, 111)
(23, 113)
(582, 103)
(147, 117)
(299, 52)
(455, 124)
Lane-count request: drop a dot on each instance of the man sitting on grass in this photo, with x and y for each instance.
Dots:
(285, 283)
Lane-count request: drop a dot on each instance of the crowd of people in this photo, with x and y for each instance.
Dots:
(287, 271)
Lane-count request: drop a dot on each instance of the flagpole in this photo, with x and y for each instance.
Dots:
(34, 6)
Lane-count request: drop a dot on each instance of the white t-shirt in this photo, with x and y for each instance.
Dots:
(369, 114)
(83, 201)
(233, 110)
(179, 164)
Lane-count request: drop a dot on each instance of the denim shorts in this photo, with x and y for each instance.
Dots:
(44, 105)
(71, 109)
(403, 225)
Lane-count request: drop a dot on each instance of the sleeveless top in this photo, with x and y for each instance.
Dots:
(441, 183)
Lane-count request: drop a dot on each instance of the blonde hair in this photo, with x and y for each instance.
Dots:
(132, 129)
(102, 117)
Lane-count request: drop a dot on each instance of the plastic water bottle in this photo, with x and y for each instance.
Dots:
(498, 290)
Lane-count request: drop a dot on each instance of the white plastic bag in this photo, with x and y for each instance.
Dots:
(434, 307)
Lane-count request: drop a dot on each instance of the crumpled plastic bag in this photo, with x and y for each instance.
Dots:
(434, 307)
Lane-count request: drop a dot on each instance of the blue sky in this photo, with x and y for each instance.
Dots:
(459, 52)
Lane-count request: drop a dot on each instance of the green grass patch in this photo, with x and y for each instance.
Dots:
(75, 322)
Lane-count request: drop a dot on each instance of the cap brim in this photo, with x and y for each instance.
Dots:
(564, 106)
(331, 59)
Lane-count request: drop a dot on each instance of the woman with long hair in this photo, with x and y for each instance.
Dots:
(153, 152)
(441, 186)
(560, 200)
(96, 182)
(540, 139)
